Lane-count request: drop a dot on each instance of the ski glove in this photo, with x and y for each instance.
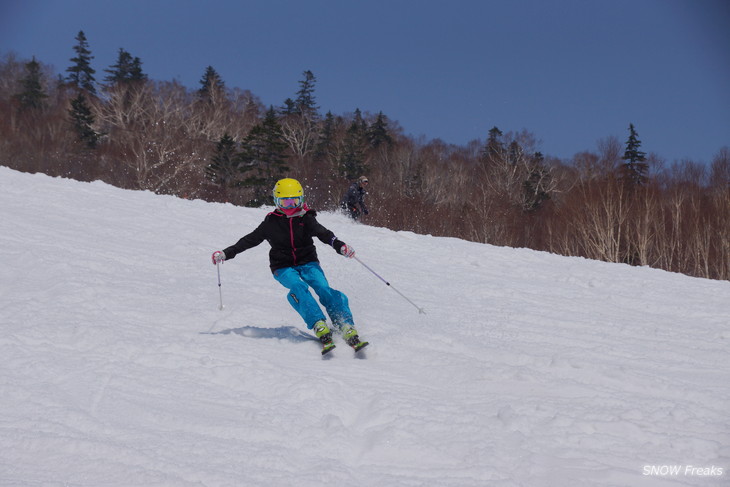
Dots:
(218, 256)
(347, 251)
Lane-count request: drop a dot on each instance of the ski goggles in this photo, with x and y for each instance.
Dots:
(288, 203)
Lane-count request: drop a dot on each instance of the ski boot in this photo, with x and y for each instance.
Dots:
(322, 331)
(349, 334)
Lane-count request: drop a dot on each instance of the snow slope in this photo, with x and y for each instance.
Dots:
(118, 369)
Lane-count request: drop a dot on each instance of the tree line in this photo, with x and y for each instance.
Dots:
(614, 203)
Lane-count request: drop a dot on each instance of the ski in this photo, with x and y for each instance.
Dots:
(357, 347)
(347, 332)
(327, 348)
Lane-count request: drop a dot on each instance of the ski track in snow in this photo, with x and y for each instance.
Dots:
(529, 369)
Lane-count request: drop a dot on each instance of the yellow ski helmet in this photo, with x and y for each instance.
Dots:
(288, 193)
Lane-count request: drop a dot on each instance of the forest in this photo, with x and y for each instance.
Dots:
(614, 202)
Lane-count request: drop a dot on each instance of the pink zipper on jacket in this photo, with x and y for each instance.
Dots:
(291, 235)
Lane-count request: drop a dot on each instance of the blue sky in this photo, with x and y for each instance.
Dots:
(571, 72)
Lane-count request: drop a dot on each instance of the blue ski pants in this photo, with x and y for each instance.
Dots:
(299, 279)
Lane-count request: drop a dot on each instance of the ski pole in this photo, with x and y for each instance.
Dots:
(420, 310)
(220, 292)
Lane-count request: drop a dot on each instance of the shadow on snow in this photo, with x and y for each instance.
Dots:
(290, 333)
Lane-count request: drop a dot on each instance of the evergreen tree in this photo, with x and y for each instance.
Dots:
(536, 184)
(305, 103)
(362, 126)
(326, 139)
(289, 108)
(83, 121)
(514, 152)
(263, 158)
(377, 133)
(32, 94)
(135, 72)
(635, 167)
(210, 83)
(352, 156)
(299, 119)
(81, 74)
(127, 69)
(494, 149)
(223, 169)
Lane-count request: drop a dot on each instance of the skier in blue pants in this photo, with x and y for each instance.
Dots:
(294, 263)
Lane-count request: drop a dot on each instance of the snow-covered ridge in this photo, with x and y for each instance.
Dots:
(118, 369)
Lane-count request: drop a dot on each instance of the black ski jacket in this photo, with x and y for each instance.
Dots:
(290, 239)
(354, 198)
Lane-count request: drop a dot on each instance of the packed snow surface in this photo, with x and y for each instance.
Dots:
(117, 367)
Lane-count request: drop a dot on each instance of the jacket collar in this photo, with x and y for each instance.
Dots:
(299, 212)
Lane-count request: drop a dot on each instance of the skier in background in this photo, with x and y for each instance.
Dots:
(354, 200)
(293, 261)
